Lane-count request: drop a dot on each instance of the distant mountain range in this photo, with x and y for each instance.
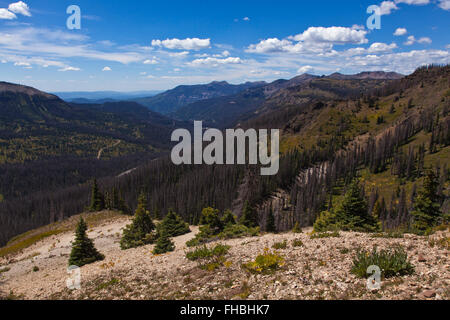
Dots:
(190, 101)
(226, 111)
(172, 100)
(374, 75)
(103, 96)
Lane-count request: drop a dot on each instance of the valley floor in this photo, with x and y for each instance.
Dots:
(320, 269)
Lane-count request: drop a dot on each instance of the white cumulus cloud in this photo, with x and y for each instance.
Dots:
(7, 15)
(183, 44)
(304, 69)
(413, 2)
(215, 61)
(444, 4)
(151, 61)
(106, 69)
(400, 32)
(334, 35)
(381, 47)
(179, 54)
(315, 40)
(386, 7)
(65, 69)
(20, 8)
(411, 40)
(270, 45)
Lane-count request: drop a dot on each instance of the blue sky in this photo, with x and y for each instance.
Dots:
(156, 45)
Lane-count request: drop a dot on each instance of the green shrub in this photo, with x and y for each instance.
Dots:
(206, 253)
(215, 228)
(297, 228)
(391, 262)
(442, 242)
(280, 245)
(266, 263)
(205, 235)
(297, 243)
(193, 242)
(209, 258)
(210, 217)
(173, 225)
(35, 269)
(238, 231)
(83, 250)
(326, 221)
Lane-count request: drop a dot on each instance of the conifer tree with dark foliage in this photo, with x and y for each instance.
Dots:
(164, 244)
(140, 231)
(97, 198)
(249, 216)
(228, 218)
(270, 227)
(426, 206)
(353, 213)
(173, 225)
(83, 250)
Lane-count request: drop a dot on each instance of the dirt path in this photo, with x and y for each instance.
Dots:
(100, 152)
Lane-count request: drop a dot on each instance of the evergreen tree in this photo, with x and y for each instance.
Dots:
(426, 206)
(173, 225)
(353, 213)
(123, 208)
(326, 221)
(228, 218)
(271, 222)
(97, 199)
(83, 250)
(249, 216)
(156, 214)
(164, 244)
(140, 231)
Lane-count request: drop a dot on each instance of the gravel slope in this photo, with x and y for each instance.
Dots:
(317, 270)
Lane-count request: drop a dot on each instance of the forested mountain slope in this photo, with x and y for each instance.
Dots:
(225, 112)
(47, 145)
(333, 132)
(388, 138)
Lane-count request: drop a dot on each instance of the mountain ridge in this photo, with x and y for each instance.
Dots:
(171, 100)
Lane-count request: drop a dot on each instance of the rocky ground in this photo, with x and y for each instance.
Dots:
(319, 269)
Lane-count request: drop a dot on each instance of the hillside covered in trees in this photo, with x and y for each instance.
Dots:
(385, 142)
